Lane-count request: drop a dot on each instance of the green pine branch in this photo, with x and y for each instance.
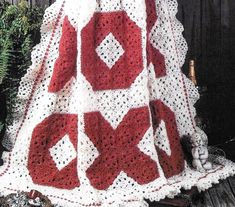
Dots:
(19, 32)
(5, 58)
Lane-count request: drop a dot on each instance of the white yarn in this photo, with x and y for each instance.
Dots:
(78, 97)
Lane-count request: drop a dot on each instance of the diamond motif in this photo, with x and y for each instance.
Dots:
(161, 139)
(114, 73)
(63, 152)
(110, 50)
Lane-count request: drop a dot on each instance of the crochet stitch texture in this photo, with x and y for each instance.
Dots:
(103, 107)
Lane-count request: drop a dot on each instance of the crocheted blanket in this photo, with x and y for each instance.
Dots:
(103, 108)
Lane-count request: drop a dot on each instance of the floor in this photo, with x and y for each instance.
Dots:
(220, 195)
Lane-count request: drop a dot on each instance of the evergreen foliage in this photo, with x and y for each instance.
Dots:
(19, 32)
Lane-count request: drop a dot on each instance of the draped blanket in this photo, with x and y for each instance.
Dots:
(103, 107)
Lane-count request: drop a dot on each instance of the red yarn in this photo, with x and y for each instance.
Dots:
(65, 65)
(174, 164)
(41, 166)
(153, 55)
(129, 65)
(118, 149)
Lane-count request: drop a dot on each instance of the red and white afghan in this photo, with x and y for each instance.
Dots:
(103, 107)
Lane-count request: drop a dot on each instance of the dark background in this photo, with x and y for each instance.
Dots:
(210, 34)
